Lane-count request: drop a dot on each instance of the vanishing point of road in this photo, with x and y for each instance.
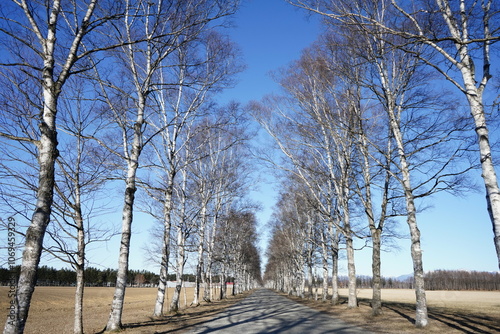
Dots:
(264, 311)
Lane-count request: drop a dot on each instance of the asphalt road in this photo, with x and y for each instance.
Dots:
(267, 312)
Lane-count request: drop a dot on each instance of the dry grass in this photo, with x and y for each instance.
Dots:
(52, 310)
(449, 311)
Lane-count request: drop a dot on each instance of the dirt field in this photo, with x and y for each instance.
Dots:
(52, 310)
(449, 311)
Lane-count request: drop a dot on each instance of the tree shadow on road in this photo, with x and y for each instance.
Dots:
(400, 318)
(184, 319)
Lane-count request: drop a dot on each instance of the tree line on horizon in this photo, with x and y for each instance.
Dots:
(457, 280)
(49, 276)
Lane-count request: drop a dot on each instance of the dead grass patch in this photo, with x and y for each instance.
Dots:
(52, 310)
(449, 311)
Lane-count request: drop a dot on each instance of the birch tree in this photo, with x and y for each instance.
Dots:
(218, 172)
(41, 49)
(460, 35)
(198, 72)
(130, 106)
(162, 28)
(313, 128)
(80, 176)
(398, 89)
(472, 29)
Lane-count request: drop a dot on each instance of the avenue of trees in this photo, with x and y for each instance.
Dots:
(111, 106)
(368, 124)
(102, 95)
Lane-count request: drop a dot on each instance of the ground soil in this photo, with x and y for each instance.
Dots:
(52, 310)
(449, 311)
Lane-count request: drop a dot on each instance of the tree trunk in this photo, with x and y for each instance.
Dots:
(488, 170)
(80, 285)
(181, 259)
(421, 318)
(334, 235)
(310, 274)
(167, 213)
(324, 259)
(474, 94)
(115, 316)
(47, 148)
(375, 232)
(376, 264)
(351, 267)
(207, 293)
(199, 265)
(80, 269)
(351, 272)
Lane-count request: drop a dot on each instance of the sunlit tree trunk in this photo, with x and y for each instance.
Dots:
(79, 267)
(334, 237)
(474, 96)
(181, 249)
(165, 252)
(115, 316)
(201, 245)
(47, 151)
(421, 318)
(324, 261)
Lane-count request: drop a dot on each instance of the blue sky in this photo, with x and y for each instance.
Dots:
(456, 232)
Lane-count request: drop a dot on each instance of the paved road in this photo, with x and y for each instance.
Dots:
(267, 312)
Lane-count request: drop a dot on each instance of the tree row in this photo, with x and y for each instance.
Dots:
(367, 126)
(109, 104)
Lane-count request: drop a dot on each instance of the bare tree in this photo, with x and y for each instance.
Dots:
(195, 77)
(166, 27)
(219, 175)
(460, 35)
(313, 128)
(128, 103)
(41, 46)
(81, 173)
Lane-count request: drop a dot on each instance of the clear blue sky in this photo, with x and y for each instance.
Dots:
(456, 233)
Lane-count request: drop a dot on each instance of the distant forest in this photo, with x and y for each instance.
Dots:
(434, 280)
(48, 276)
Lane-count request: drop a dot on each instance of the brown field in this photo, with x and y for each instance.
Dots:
(449, 311)
(52, 310)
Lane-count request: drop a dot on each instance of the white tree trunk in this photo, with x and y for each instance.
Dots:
(80, 286)
(207, 293)
(47, 148)
(488, 169)
(421, 319)
(181, 259)
(324, 260)
(352, 300)
(334, 236)
(80, 270)
(115, 316)
(201, 245)
(167, 213)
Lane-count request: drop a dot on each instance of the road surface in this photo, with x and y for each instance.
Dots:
(264, 311)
